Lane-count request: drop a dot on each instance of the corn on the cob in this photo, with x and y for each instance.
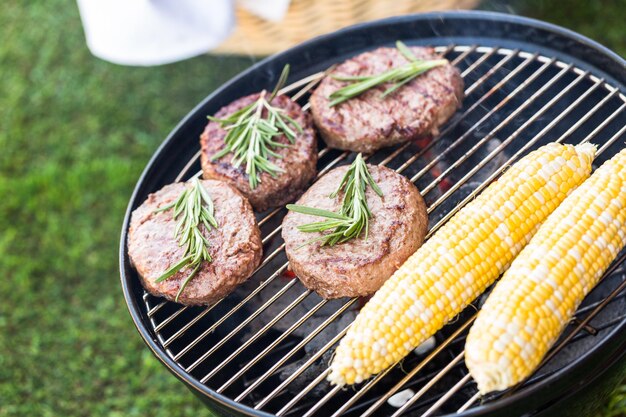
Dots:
(458, 263)
(538, 295)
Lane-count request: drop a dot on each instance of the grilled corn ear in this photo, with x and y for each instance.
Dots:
(459, 261)
(538, 295)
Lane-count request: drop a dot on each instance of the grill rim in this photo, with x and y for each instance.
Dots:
(603, 355)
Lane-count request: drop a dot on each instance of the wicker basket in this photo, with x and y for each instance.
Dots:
(308, 18)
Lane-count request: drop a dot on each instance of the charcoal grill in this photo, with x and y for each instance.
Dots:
(264, 350)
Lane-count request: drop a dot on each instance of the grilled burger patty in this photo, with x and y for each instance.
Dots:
(368, 122)
(235, 246)
(298, 160)
(357, 267)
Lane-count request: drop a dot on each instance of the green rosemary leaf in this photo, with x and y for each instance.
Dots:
(281, 81)
(292, 122)
(321, 226)
(316, 212)
(174, 269)
(186, 282)
(350, 77)
(405, 51)
(193, 207)
(398, 77)
(354, 213)
(251, 134)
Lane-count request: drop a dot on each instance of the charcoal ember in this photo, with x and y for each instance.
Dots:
(311, 348)
(278, 306)
(497, 161)
(451, 202)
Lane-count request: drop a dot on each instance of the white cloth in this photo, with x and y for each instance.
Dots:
(272, 10)
(153, 32)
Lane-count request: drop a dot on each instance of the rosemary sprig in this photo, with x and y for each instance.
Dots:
(354, 214)
(196, 207)
(252, 131)
(397, 76)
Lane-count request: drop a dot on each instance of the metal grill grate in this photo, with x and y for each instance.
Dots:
(268, 344)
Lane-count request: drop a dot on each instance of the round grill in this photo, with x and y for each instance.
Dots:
(267, 346)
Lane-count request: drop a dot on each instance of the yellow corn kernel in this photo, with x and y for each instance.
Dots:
(549, 279)
(430, 288)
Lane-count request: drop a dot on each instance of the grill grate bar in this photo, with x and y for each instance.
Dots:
(501, 147)
(323, 401)
(434, 401)
(457, 359)
(606, 122)
(469, 403)
(512, 159)
(169, 319)
(586, 117)
(486, 117)
(457, 387)
(505, 122)
(617, 135)
(580, 326)
(474, 106)
(437, 350)
(188, 166)
(478, 62)
(232, 311)
(258, 334)
(153, 310)
(266, 239)
(312, 84)
(452, 124)
(329, 166)
(248, 320)
(186, 327)
(226, 316)
(575, 320)
(270, 256)
(482, 78)
(308, 83)
(301, 394)
(299, 346)
(240, 326)
(507, 57)
(412, 384)
(593, 313)
(298, 372)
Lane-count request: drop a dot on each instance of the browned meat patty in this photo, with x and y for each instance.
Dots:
(357, 267)
(235, 246)
(368, 122)
(298, 160)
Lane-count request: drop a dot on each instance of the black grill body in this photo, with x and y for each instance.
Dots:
(574, 382)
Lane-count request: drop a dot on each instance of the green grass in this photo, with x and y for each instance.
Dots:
(75, 133)
(601, 20)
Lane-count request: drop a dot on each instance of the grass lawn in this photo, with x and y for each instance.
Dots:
(75, 134)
